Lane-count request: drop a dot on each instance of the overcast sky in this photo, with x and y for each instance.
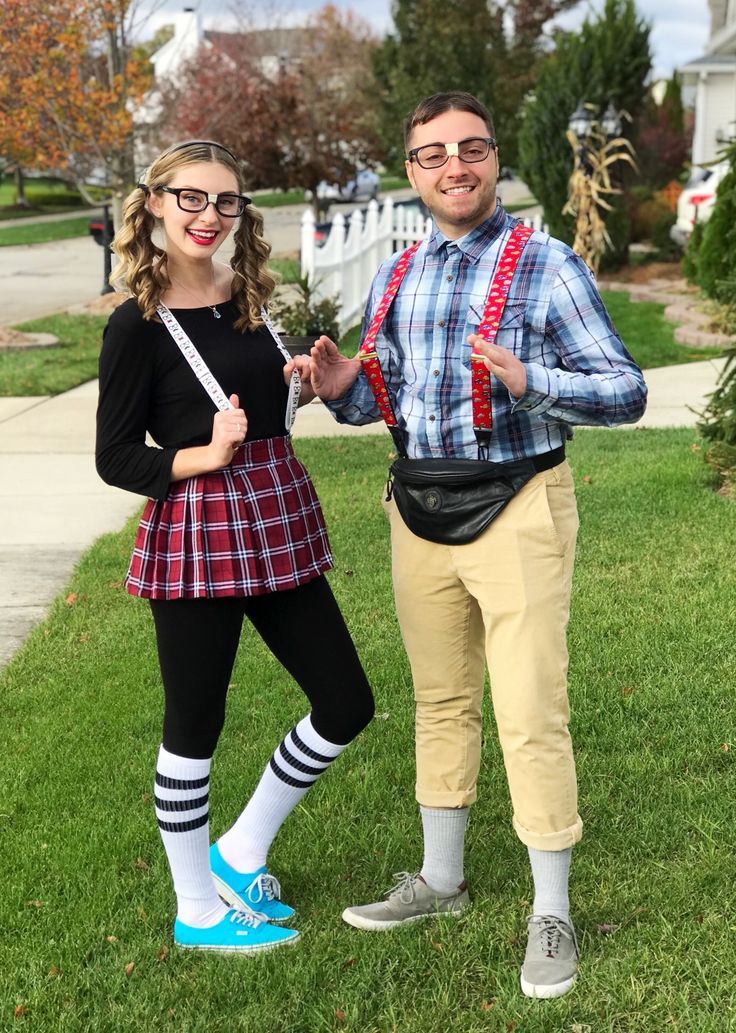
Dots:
(680, 28)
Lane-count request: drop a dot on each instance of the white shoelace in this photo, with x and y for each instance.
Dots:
(245, 918)
(264, 885)
(404, 886)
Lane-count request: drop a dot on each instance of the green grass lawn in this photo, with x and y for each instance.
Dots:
(43, 232)
(647, 334)
(87, 904)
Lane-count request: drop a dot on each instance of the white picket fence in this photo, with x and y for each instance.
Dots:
(344, 266)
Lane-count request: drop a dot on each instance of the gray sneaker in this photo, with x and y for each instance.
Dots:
(551, 959)
(409, 900)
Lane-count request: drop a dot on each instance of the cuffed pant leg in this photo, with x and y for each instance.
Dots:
(520, 571)
(443, 635)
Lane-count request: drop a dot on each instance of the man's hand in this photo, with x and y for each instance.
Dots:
(503, 364)
(332, 373)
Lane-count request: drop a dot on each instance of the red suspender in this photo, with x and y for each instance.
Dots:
(488, 329)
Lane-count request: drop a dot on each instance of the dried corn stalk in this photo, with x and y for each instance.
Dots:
(590, 184)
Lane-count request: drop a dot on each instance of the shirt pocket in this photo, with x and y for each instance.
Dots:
(510, 331)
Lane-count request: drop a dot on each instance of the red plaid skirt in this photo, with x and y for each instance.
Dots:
(252, 528)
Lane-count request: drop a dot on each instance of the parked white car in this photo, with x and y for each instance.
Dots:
(364, 187)
(696, 201)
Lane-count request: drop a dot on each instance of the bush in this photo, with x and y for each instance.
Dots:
(619, 229)
(717, 254)
(59, 198)
(718, 423)
(663, 242)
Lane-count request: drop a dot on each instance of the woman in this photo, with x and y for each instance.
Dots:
(232, 529)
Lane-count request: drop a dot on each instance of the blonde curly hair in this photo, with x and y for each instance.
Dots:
(142, 266)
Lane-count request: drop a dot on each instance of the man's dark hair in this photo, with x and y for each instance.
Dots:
(438, 104)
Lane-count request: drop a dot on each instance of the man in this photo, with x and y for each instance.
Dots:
(504, 596)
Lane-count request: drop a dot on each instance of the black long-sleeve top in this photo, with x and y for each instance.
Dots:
(147, 386)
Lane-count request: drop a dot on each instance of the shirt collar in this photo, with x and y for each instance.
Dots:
(474, 243)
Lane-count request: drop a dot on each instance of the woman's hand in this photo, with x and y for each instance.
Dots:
(332, 373)
(228, 433)
(503, 364)
(303, 366)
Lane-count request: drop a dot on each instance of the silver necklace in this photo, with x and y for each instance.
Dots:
(213, 308)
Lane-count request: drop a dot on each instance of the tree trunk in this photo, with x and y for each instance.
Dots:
(20, 188)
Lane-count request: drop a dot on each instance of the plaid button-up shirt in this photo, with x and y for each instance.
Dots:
(578, 370)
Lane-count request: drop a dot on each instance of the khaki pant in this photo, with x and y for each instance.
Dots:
(504, 598)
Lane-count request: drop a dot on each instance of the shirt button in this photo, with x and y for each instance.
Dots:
(435, 372)
(441, 322)
(449, 279)
(432, 418)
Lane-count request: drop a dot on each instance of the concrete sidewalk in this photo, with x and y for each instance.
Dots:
(53, 505)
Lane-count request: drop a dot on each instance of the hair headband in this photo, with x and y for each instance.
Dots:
(207, 143)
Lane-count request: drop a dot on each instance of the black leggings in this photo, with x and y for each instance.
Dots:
(197, 641)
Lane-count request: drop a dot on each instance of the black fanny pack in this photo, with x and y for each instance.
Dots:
(451, 501)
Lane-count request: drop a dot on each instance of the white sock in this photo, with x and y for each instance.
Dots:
(551, 874)
(181, 795)
(295, 766)
(444, 846)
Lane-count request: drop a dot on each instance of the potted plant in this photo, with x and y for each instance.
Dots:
(300, 318)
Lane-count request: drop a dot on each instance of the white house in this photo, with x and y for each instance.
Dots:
(713, 76)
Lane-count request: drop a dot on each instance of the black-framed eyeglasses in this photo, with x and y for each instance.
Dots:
(435, 155)
(227, 204)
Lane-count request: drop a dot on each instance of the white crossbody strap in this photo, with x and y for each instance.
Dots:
(205, 376)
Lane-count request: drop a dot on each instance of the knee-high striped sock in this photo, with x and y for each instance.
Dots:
(295, 766)
(181, 795)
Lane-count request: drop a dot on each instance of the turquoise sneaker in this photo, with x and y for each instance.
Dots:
(256, 892)
(238, 932)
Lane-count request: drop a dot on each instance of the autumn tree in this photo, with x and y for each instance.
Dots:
(489, 48)
(294, 105)
(69, 76)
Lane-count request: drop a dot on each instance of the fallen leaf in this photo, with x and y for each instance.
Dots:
(348, 963)
(384, 716)
(71, 599)
(699, 919)
(511, 1025)
(587, 479)
(141, 864)
(725, 747)
(606, 928)
(162, 953)
(84, 637)
(436, 946)
(340, 1015)
(115, 584)
(626, 690)
(19, 1010)
(129, 968)
(349, 573)
(146, 798)
(54, 971)
(142, 913)
(487, 1005)
(111, 939)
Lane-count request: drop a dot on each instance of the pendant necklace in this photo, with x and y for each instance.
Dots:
(213, 308)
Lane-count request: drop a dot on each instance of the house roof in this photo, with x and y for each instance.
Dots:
(711, 62)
